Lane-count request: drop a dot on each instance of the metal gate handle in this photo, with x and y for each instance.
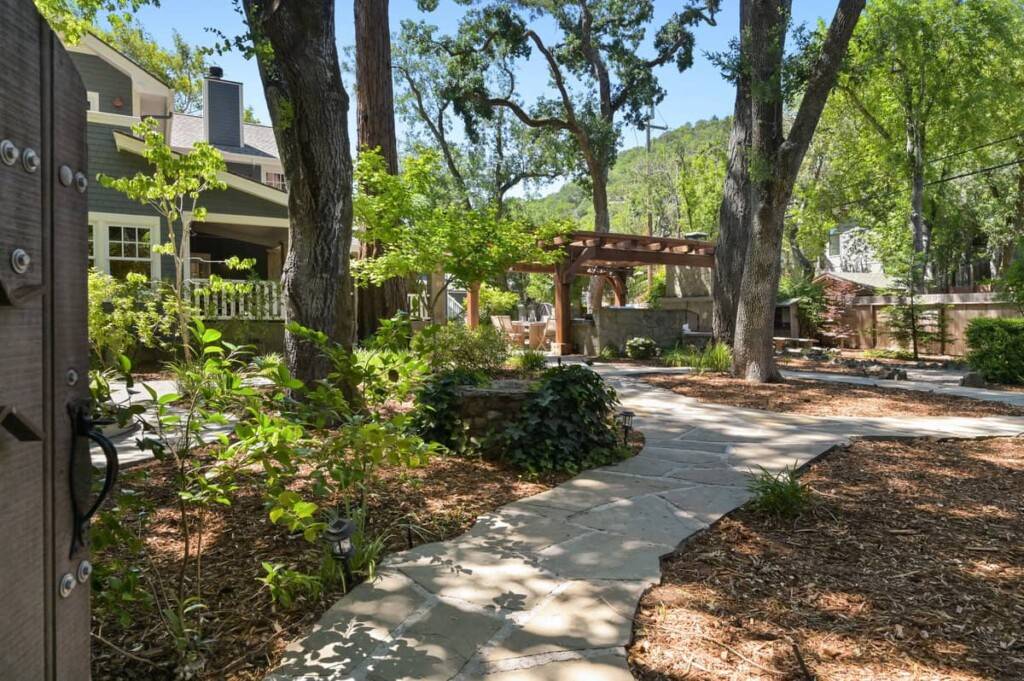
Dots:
(84, 425)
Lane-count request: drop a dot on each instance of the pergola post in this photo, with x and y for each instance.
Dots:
(563, 312)
(473, 306)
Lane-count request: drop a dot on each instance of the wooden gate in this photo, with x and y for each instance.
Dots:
(44, 464)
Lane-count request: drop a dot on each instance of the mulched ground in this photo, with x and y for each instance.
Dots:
(818, 398)
(248, 633)
(908, 565)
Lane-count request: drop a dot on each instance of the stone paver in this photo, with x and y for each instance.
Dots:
(545, 588)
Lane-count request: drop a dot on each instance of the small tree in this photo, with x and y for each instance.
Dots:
(424, 230)
(173, 190)
(1010, 287)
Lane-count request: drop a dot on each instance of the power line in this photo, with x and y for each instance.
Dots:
(941, 180)
(1017, 135)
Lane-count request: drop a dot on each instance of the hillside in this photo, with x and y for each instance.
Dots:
(677, 158)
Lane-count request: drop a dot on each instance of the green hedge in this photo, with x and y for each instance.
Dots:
(996, 348)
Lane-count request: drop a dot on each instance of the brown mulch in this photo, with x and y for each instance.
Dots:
(909, 564)
(819, 398)
(248, 632)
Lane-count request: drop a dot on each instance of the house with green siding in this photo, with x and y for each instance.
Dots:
(249, 219)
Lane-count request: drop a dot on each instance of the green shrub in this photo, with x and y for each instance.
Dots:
(1010, 287)
(123, 314)
(494, 301)
(811, 306)
(781, 495)
(567, 425)
(641, 348)
(610, 352)
(903, 355)
(995, 348)
(457, 347)
(716, 357)
(529, 361)
(437, 417)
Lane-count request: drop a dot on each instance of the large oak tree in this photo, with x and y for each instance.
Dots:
(774, 161)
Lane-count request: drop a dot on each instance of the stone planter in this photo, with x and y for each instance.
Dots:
(488, 409)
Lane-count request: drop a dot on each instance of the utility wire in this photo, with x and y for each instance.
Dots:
(1017, 135)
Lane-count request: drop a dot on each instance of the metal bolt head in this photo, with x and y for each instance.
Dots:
(71, 377)
(81, 182)
(9, 153)
(66, 175)
(84, 571)
(20, 260)
(30, 160)
(67, 584)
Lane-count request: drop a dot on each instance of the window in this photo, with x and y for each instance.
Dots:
(92, 249)
(128, 250)
(94, 100)
(275, 180)
(833, 243)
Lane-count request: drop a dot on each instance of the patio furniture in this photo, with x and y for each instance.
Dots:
(532, 333)
(516, 335)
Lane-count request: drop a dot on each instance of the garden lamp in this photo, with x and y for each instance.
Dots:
(625, 419)
(338, 537)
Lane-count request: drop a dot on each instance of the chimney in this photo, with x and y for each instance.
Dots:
(222, 110)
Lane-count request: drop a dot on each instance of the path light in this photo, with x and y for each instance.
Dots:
(625, 420)
(338, 537)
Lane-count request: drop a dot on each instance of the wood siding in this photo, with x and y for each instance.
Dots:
(101, 77)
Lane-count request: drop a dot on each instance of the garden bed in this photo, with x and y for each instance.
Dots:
(247, 632)
(818, 398)
(908, 564)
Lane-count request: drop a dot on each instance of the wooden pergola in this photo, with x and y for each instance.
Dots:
(612, 257)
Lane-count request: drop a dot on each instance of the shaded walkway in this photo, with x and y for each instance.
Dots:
(545, 588)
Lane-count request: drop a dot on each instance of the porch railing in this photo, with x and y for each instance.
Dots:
(237, 299)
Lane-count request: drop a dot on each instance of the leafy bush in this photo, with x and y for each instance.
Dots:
(781, 495)
(610, 352)
(881, 353)
(716, 357)
(529, 361)
(457, 347)
(811, 307)
(494, 301)
(996, 348)
(123, 314)
(1010, 287)
(641, 348)
(437, 410)
(567, 425)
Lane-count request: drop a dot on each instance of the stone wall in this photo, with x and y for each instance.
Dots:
(616, 325)
(488, 409)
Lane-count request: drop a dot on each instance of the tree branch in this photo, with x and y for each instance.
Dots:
(822, 79)
(556, 75)
(863, 110)
(549, 122)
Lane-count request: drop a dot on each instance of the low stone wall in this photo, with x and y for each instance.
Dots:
(616, 325)
(489, 408)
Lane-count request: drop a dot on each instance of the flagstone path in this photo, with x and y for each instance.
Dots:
(544, 589)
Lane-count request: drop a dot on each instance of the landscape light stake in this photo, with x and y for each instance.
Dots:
(338, 537)
(625, 419)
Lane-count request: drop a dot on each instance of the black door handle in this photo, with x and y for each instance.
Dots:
(84, 426)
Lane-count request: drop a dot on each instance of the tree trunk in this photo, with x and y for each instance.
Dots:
(602, 220)
(781, 159)
(734, 213)
(375, 129)
(309, 109)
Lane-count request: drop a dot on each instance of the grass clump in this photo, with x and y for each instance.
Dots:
(902, 355)
(781, 494)
(529, 361)
(716, 357)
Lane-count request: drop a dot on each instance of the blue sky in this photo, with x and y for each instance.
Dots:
(697, 93)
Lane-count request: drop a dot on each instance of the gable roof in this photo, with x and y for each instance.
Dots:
(258, 140)
(872, 280)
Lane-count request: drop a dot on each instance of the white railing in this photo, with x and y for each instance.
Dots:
(455, 309)
(238, 299)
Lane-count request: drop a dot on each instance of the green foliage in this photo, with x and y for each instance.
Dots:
(529, 361)
(286, 585)
(567, 425)
(996, 348)
(456, 346)
(494, 301)
(74, 18)
(122, 315)
(610, 351)
(1010, 287)
(715, 357)
(781, 494)
(811, 308)
(641, 348)
(904, 355)
(437, 416)
(173, 189)
(422, 230)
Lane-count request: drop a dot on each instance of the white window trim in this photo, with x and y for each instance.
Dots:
(94, 100)
(101, 223)
(266, 170)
